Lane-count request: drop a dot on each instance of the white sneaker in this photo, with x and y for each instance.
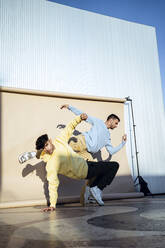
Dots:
(96, 193)
(26, 156)
(88, 198)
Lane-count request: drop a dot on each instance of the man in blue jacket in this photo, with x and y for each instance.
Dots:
(90, 142)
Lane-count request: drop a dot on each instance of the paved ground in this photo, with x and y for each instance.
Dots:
(119, 224)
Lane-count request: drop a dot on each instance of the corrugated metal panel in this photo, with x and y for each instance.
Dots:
(48, 46)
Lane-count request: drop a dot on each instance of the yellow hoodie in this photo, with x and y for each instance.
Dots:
(63, 161)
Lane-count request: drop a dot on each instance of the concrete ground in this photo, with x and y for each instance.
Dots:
(126, 223)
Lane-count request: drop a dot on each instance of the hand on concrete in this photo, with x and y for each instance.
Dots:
(48, 209)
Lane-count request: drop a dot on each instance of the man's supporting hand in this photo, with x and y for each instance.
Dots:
(124, 137)
(64, 106)
(83, 117)
(48, 209)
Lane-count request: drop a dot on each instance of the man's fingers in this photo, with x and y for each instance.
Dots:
(124, 137)
(64, 106)
(45, 210)
(83, 116)
(48, 209)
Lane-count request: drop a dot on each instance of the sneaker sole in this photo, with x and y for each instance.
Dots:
(25, 157)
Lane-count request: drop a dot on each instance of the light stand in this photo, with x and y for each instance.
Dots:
(141, 182)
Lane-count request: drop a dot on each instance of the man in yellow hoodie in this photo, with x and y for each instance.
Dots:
(61, 159)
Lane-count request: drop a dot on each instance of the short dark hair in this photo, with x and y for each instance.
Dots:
(41, 141)
(113, 116)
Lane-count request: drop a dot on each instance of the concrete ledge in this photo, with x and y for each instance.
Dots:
(122, 195)
(72, 199)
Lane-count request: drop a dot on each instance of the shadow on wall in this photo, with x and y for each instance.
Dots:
(41, 173)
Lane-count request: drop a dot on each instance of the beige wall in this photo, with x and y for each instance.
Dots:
(26, 116)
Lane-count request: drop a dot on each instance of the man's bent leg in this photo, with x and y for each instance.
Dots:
(104, 173)
(78, 144)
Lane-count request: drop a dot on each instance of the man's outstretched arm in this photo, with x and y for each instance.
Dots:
(53, 181)
(76, 111)
(71, 108)
(112, 150)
